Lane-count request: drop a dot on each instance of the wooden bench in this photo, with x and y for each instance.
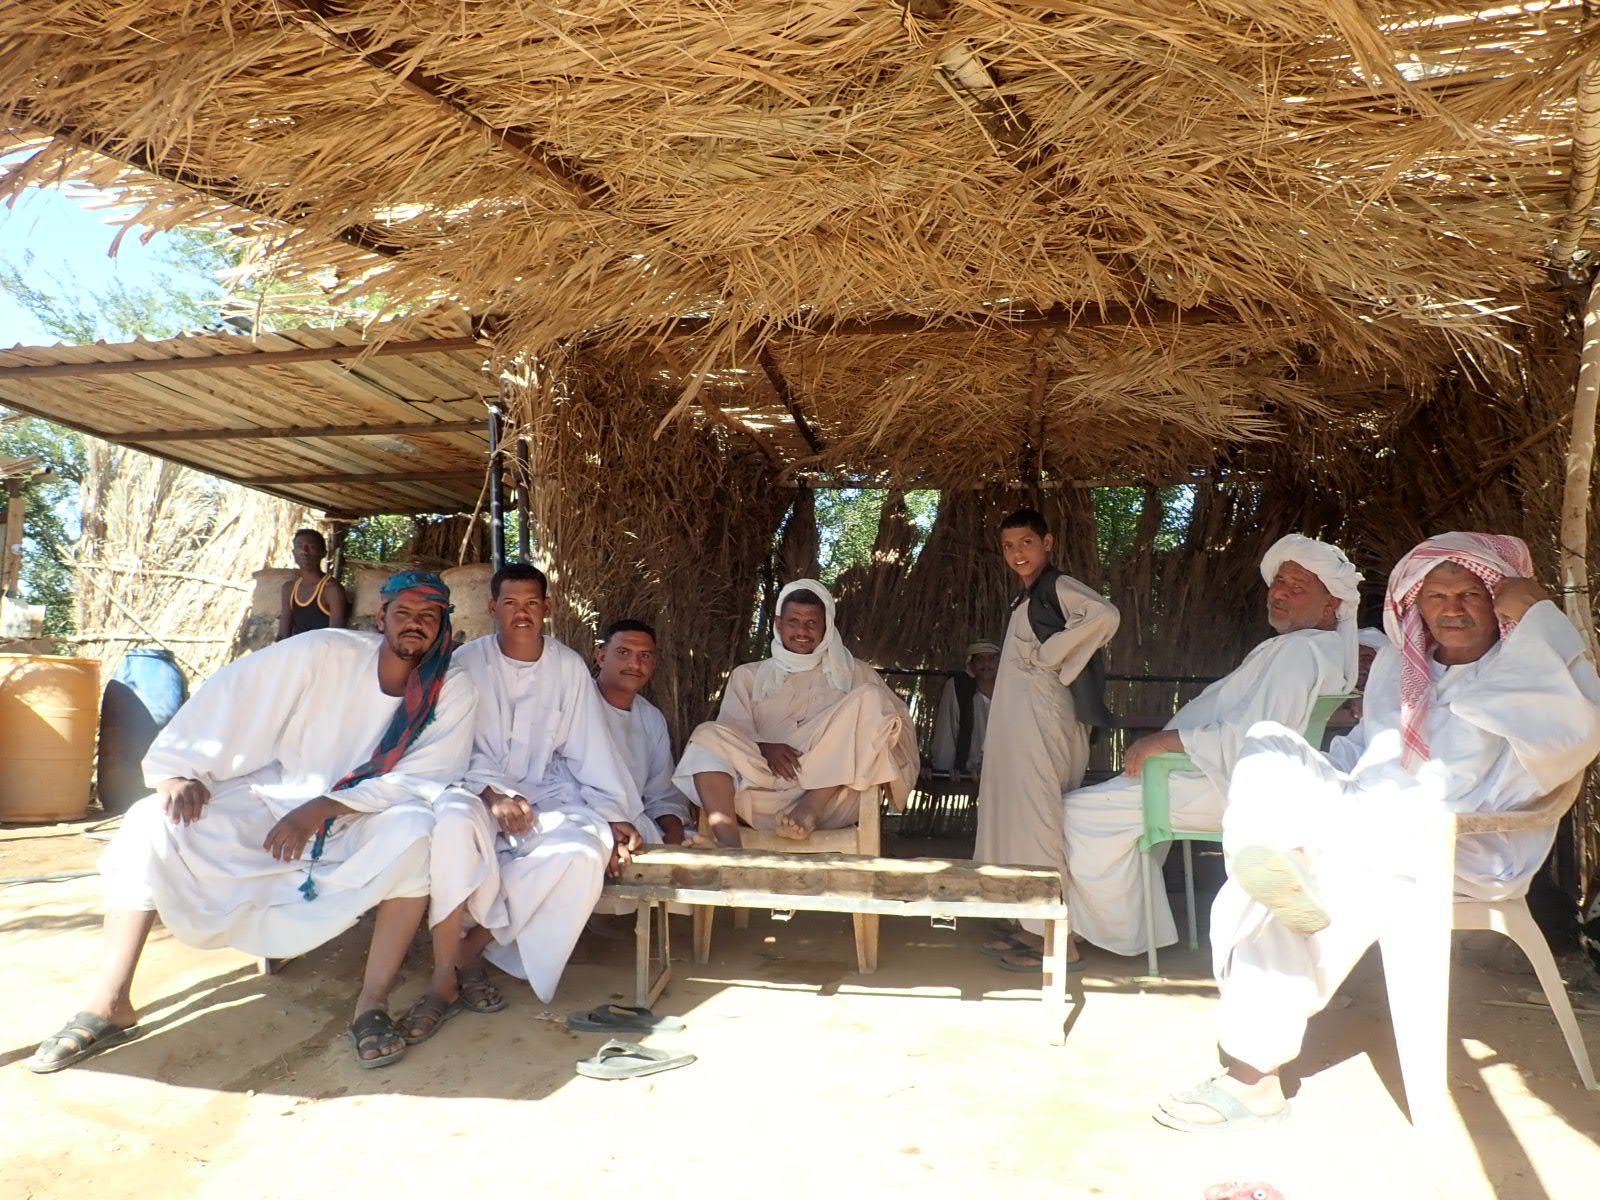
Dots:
(852, 883)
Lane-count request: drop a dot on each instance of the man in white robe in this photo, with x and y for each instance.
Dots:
(275, 754)
(626, 662)
(545, 807)
(944, 750)
(1484, 703)
(799, 735)
(1037, 743)
(1312, 597)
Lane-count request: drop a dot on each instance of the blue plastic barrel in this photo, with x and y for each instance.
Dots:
(147, 689)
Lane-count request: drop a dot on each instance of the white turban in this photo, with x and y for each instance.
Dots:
(830, 654)
(1338, 574)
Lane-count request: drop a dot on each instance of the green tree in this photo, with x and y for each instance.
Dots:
(847, 525)
(197, 283)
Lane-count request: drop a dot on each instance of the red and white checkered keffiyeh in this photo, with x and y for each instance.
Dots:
(1491, 557)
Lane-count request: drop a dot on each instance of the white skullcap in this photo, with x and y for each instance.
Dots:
(977, 648)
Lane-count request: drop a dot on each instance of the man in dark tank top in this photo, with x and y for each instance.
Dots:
(313, 599)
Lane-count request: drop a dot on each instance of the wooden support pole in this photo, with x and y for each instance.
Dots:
(249, 358)
(11, 553)
(1576, 495)
(524, 500)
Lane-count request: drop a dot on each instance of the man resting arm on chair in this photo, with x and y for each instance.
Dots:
(1311, 605)
(1484, 703)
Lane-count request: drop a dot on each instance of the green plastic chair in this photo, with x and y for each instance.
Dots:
(1158, 828)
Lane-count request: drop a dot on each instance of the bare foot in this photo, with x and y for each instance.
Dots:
(799, 821)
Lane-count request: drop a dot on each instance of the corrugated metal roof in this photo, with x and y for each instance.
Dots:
(398, 424)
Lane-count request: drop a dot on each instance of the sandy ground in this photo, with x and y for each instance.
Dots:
(930, 1078)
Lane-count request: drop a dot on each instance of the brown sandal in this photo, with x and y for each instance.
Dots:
(478, 994)
(427, 1014)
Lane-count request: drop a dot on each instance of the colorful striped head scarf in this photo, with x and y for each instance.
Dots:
(1491, 557)
(416, 705)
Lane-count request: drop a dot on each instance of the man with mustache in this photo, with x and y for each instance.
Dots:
(1311, 605)
(800, 735)
(1483, 702)
(627, 661)
(544, 809)
(293, 794)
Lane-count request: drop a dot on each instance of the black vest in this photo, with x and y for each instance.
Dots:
(1046, 618)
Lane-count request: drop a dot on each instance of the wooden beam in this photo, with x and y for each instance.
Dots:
(1060, 316)
(320, 19)
(132, 154)
(374, 477)
(254, 358)
(412, 428)
(780, 385)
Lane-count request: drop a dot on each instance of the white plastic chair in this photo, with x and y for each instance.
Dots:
(1416, 952)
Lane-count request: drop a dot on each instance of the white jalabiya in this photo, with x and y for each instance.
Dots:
(265, 735)
(541, 734)
(1504, 730)
(853, 738)
(1277, 681)
(642, 739)
(1035, 747)
(946, 722)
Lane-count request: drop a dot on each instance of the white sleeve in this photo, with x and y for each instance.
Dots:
(431, 763)
(604, 780)
(235, 723)
(661, 796)
(1092, 621)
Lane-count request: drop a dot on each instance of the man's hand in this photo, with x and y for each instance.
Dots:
(1516, 596)
(513, 814)
(185, 799)
(784, 760)
(671, 829)
(1165, 742)
(625, 840)
(287, 840)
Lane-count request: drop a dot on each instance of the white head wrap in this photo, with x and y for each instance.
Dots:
(1338, 574)
(830, 654)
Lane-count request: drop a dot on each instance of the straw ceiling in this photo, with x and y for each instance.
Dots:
(1237, 219)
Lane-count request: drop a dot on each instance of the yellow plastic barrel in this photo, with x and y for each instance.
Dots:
(49, 713)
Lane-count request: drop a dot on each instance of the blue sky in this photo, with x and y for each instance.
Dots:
(69, 243)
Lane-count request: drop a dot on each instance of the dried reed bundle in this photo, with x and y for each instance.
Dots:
(166, 558)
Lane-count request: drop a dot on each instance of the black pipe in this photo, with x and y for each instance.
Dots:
(497, 492)
(524, 505)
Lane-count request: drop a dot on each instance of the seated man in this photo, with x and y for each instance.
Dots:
(544, 808)
(1484, 703)
(800, 735)
(333, 740)
(627, 662)
(1311, 606)
(963, 717)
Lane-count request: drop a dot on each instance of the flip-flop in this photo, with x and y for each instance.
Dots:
(1273, 878)
(622, 1018)
(1012, 945)
(629, 1060)
(89, 1033)
(1073, 964)
(375, 1023)
(1235, 1116)
(432, 1009)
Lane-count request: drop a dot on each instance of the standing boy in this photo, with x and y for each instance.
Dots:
(1038, 741)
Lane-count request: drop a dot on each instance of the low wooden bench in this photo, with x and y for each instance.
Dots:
(852, 883)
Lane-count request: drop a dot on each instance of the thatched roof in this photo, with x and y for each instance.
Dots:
(1218, 220)
(383, 419)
